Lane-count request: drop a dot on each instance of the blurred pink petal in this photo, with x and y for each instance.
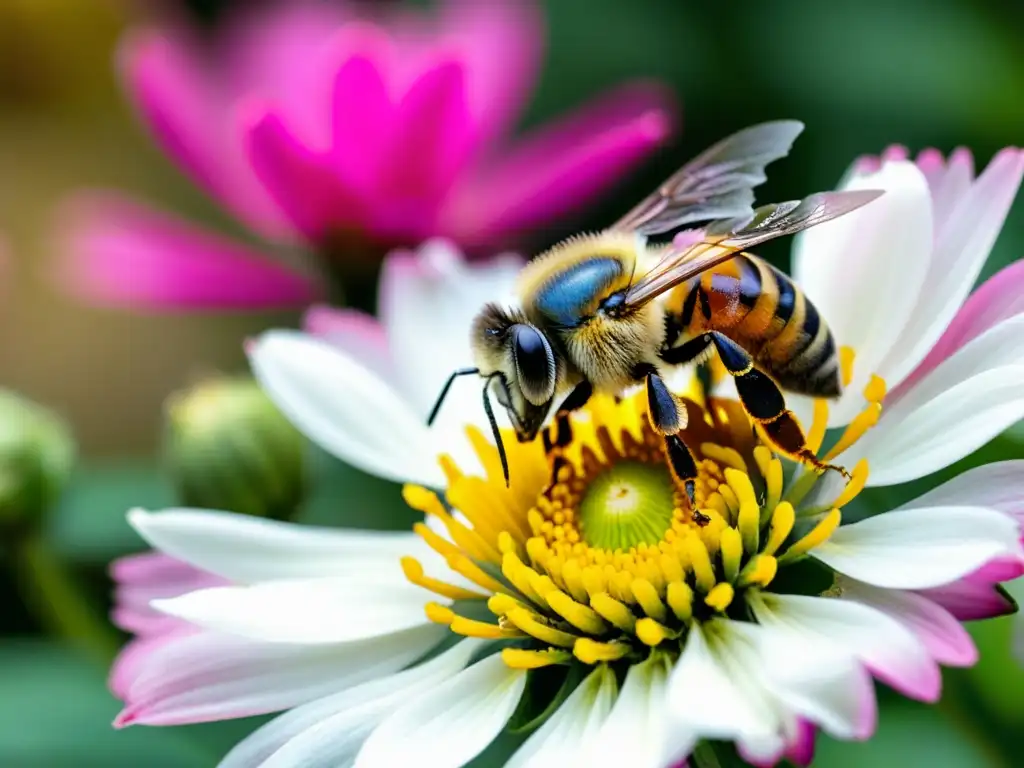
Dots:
(164, 73)
(801, 749)
(563, 165)
(148, 576)
(117, 252)
(132, 657)
(978, 595)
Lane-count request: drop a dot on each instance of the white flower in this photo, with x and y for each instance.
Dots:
(345, 628)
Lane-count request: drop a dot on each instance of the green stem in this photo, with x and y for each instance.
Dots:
(53, 594)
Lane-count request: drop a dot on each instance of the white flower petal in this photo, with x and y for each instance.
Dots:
(921, 548)
(962, 245)
(428, 302)
(884, 645)
(306, 611)
(944, 637)
(814, 678)
(910, 442)
(999, 346)
(210, 676)
(568, 734)
(999, 485)
(864, 271)
(329, 732)
(245, 549)
(450, 725)
(345, 408)
(641, 720)
(707, 695)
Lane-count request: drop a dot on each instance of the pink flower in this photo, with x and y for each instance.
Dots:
(348, 134)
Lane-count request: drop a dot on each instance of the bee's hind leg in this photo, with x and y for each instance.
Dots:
(764, 403)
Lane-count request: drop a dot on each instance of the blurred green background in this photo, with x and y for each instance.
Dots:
(860, 74)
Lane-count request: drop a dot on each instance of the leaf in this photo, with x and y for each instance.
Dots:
(909, 733)
(88, 525)
(55, 711)
(546, 689)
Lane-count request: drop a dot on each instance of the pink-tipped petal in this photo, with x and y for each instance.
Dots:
(971, 599)
(355, 333)
(801, 748)
(204, 676)
(149, 576)
(564, 165)
(940, 632)
(999, 298)
(298, 178)
(133, 656)
(121, 253)
(895, 153)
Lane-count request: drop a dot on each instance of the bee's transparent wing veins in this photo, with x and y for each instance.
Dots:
(717, 184)
(726, 237)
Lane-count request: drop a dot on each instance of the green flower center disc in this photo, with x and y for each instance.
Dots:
(627, 505)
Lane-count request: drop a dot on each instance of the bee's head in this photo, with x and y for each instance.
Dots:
(520, 365)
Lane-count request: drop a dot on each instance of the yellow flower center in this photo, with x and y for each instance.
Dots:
(598, 555)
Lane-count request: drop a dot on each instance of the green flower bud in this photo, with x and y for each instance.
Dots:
(36, 458)
(228, 447)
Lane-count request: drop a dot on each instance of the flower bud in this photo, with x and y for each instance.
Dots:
(36, 459)
(228, 447)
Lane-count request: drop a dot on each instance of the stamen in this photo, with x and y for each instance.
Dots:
(680, 600)
(499, 605)
(818, 535)
(580, 616)
(729, 457)
(760, 571)
(731, 551)
(466, 567)
(593, 652)
(874, 393)
(652, 633)
(819, 425)
(518, 658)
(720, 597)
(519, 575)
(466, 539)
(414, 572)
(647, 596)
(473, 628)
(439, 614)
(613, 611)
(771, 471)
(783, 520)
(531, 624)
(701, 561)
(858, 480)
(846, 357)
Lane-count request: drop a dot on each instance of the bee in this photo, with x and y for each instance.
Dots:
(603, 312)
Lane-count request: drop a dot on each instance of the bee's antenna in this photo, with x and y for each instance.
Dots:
(444, 391)
(494, 427)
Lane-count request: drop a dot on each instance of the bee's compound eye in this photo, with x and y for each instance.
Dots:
(535, 363)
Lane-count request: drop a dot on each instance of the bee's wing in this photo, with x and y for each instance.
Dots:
(717, 184)
(724, 238)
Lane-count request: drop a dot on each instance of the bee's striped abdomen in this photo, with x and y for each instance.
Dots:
(760, 308)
